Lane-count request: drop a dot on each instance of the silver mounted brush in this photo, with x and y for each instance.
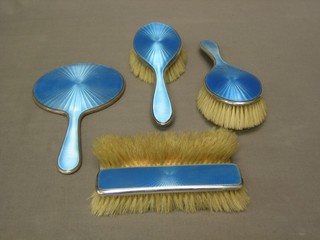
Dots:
(158, 45)
(230, 97)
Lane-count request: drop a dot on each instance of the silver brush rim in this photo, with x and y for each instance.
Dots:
(235, 103)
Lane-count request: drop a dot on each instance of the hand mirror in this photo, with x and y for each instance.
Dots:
(76, 90)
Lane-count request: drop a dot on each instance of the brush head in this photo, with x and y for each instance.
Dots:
(230, 97)
(228, 115)
(157, 47)
(167, 149)
(145, 73)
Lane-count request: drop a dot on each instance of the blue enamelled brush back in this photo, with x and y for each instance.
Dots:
(229, 83)
(180, 178)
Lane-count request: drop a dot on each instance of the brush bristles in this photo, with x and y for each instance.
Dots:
(142, 71)
(154, 149)
(219, 201)
(228, 115)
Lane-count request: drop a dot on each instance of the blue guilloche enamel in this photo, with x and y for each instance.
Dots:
(228, 82)
(169, 176)
(158, 44)
(78, 87)
(75, 89)
(233, 84)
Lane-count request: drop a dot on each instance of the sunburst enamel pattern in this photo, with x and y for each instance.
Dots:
(228, 83)
(158, 44)
(76, 90)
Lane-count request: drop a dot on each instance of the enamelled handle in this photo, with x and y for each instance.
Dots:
(161, 107)
(69, 157)
(212, 50)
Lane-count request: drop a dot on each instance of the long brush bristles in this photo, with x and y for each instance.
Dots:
(154, 149)
(142, 71)
(228, 115)
(219, 201)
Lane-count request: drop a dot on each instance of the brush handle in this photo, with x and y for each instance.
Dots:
(211, 48)
(161, 106)
(69, 157)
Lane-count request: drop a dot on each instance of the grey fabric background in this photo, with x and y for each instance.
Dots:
(278, 41)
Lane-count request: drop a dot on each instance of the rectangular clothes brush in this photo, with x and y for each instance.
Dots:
(164, 172)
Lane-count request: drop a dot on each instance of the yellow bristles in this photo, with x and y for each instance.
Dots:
(165, 148)
(218, 201)
(228, 115)
(142, 71)
(154, 149)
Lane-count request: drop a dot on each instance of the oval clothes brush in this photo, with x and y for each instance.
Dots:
(157, 57)
(76, 90)
(230, 97)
